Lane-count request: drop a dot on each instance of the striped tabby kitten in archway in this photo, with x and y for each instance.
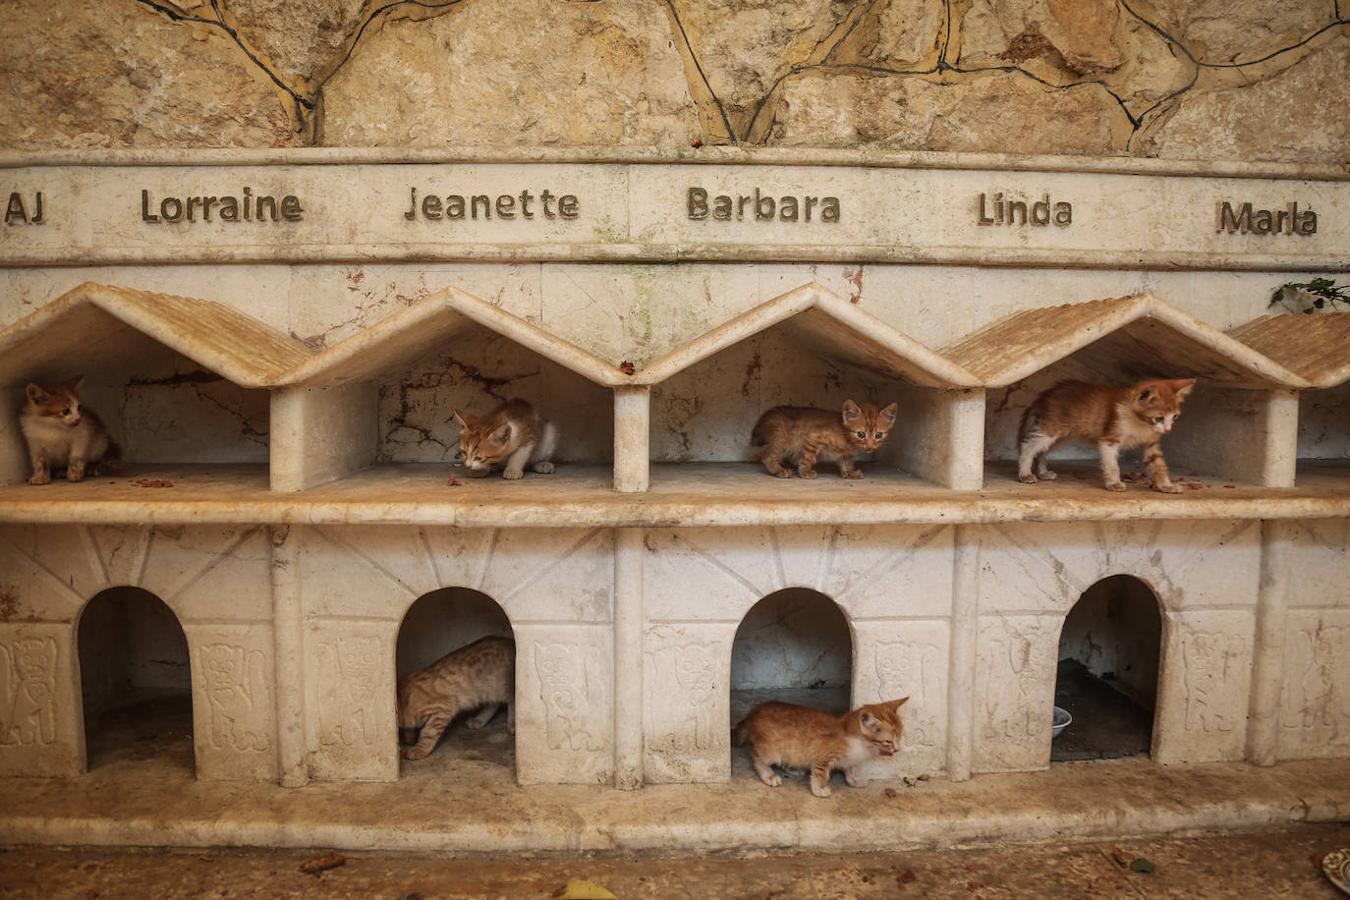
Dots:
(804, 434)
(510, 437)
(1114, 420)
(806, 739)
(480, 676)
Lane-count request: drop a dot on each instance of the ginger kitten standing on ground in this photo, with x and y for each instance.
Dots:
(802, 738)
(481, 674)
(803, 434)
(1113, 419)
(62, 434)
(510, 437)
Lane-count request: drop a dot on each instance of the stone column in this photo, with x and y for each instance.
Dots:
(288, 637)
(632, 437)
(961, 681)
(628, 660)
(1277, 538)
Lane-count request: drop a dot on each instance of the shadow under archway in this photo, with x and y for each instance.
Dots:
(438, 623)
(1107, 678)
(135, 681)
(795, 646)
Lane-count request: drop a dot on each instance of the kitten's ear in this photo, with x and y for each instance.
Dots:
(888, 414)
(462, 418)
(899, 703)
(76, 385)
(851, 411)
(1146, 394)
(37, 393)
(1183, 386)
(502, 434)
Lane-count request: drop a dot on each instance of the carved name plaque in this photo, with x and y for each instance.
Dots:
(725, 204)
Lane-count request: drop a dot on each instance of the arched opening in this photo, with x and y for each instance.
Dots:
(436, 625)
(1107, 678)
(794, 646)
(135, 681)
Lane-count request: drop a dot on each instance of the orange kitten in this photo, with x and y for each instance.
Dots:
(799, 737)
(510, 437)
(481, 676)
(61, 434)
(1113, 419)
(803, 434)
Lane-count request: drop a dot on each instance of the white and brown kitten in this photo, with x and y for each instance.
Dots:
(63, 434)
(804, 434)
(806, 739)
(481, 676)
(510, 437)
(1113, 419)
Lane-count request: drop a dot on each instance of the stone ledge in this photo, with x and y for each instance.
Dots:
(474, 807)
(680, 495)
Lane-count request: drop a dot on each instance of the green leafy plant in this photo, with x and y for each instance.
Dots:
(1323, 291)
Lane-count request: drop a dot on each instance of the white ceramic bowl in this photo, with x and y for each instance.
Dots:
(1061, 720)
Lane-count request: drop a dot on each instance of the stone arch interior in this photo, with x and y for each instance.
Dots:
(439, 623)
(1110, 650)
(135, 680)
(794, 646)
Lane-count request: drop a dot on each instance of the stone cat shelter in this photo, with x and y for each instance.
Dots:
(288, 506)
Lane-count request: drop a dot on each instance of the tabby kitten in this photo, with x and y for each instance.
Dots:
(804, 434)
(481, 676)
(61, 434)
(1113, 419)
(799, 737)
(510, 437)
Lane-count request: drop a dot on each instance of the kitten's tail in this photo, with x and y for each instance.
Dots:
(112, 457)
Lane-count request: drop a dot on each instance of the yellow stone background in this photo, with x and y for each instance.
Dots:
(1180, 79)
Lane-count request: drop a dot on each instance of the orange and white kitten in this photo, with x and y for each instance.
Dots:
(481, 676)
(806, 739)
(62, 434)
(1113, 419)
(510, 438)
(804, 434)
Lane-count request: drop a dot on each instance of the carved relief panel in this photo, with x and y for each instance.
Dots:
(894, 659)
(565, 704)
(686, 702)
(1315, 704)
(1014, 691)
(39, 732)
(1203, 687)
(349, 690)
(234, 709)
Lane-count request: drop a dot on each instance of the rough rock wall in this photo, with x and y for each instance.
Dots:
(1203, 79)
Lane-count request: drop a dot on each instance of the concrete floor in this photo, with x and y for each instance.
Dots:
(1274, 864)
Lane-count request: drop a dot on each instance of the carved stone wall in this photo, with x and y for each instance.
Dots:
(1255, 79)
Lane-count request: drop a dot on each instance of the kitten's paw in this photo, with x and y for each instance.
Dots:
(820, 791)
(780, 473)
(414, 753)
(1047, 475)
(852, 780)
(1169, 488)
(774, 780)
(510, 475)
(72, 475)
(44, 478)
(544, 468)
(1115, 485)
(1027, 478)
(807, 473)
(474, 724)
(855, 474)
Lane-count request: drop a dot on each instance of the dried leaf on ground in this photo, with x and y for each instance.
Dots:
(581, 889)
(323, 863)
